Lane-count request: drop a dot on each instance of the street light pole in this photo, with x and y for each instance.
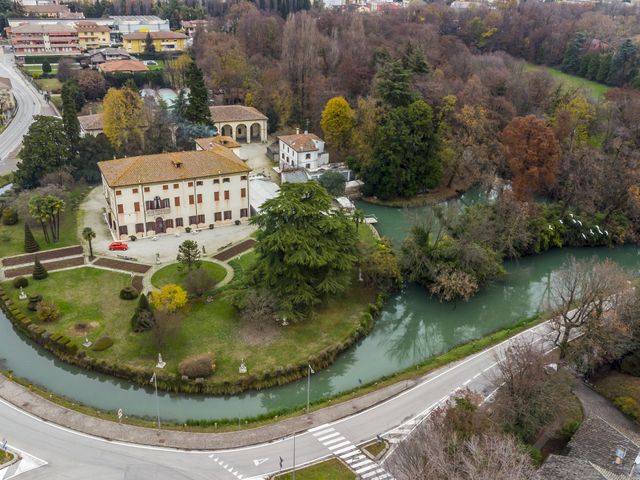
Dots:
(155, 384)
(309, 372)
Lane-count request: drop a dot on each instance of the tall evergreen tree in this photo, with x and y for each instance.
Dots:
(45, 148)
(198, 109)
(149, 47)
(573, 54)
(623, 64)
(158, 137)
(70, 121)
(414, 61)
(603, 68)
(393, 85)
(406, 158)
(306, 251)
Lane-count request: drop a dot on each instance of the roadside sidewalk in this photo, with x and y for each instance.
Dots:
(23, 399)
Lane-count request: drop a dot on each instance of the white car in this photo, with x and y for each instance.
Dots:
(150, 62)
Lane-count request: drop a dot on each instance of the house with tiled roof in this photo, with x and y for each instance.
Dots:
(302, 151)
(599, 450)
(211, 142)
(91, 124)
(168, 192)
(241, 123)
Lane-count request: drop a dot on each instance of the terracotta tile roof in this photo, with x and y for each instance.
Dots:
(154, 36)
(46, 8)
(91, 122)
(43, 28)
(301, 142)
(91, 27)
(223, 140)
(123, 66)
(235, 113)
(164, 167)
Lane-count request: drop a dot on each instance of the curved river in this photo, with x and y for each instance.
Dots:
(411, 328)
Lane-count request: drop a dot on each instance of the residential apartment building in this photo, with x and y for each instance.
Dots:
(168, 192)
(302, 151)
(91, 35)
(162, 41)
(50, 10)
(44, 39)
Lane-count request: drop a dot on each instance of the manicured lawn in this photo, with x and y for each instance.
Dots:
(594, 89)
(89, 295)
(12, 237)
(37, 69)
(366, 235)
(329, 470)
(172, 274)
(51, 85)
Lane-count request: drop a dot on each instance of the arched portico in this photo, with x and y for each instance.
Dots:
(228, 131)
(255, 132)
(241, 133)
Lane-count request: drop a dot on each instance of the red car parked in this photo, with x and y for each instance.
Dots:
(118, 246)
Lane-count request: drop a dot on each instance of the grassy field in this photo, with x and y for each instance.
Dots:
(329, 470)
(51, 85)
(172, 274)
(571, 82)
(12, 236)
(90, 296)
(623, 390)
(37, 69)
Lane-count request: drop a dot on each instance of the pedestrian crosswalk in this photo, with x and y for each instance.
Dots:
(338, 445)
(24, 464)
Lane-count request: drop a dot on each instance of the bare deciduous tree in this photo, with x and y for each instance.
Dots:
(457, 443)
(529, 397)
(580, 293)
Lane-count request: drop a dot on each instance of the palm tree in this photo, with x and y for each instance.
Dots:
(55, 206)
(88, 234)
(37, 211)
(358, 217)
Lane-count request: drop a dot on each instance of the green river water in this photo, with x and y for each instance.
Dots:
(411, 328)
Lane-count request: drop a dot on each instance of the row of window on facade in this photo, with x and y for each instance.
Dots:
(159, 203)
(177, 185)
(179, 222)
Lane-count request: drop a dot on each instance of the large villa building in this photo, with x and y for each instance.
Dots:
(166, 193)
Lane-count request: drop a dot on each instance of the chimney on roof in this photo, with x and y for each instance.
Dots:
(176, 163)
(297, 131)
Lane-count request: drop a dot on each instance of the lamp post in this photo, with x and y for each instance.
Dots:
(309, 372)
(154, 380)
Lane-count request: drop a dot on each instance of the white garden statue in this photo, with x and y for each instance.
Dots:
(161, 364)
(243, 367)
(22, 296)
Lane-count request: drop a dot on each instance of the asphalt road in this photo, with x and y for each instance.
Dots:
(30, 103)
(74, 456)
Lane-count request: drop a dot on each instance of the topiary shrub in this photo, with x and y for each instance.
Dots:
(39, 272)
(102, 344)
(9, 216)
(20, 282)
(30, 243)
(142, 319)
(34, 300)
(129, 293)
(197, 366)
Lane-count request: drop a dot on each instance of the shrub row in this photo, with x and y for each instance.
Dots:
(58, 344)
(67, 350)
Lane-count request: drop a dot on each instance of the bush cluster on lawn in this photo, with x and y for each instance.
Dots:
(9, 216)
(143, 318)
(197, 366)
(102, 344)
(20, 282)
(129, 293)
(47, 312)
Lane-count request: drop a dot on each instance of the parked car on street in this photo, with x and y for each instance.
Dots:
(118, 246)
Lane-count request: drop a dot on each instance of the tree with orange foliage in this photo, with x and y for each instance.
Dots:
(532, 152)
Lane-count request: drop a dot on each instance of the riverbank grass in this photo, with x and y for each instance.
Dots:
(89, 303)
(332, 469)
(173, 274)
